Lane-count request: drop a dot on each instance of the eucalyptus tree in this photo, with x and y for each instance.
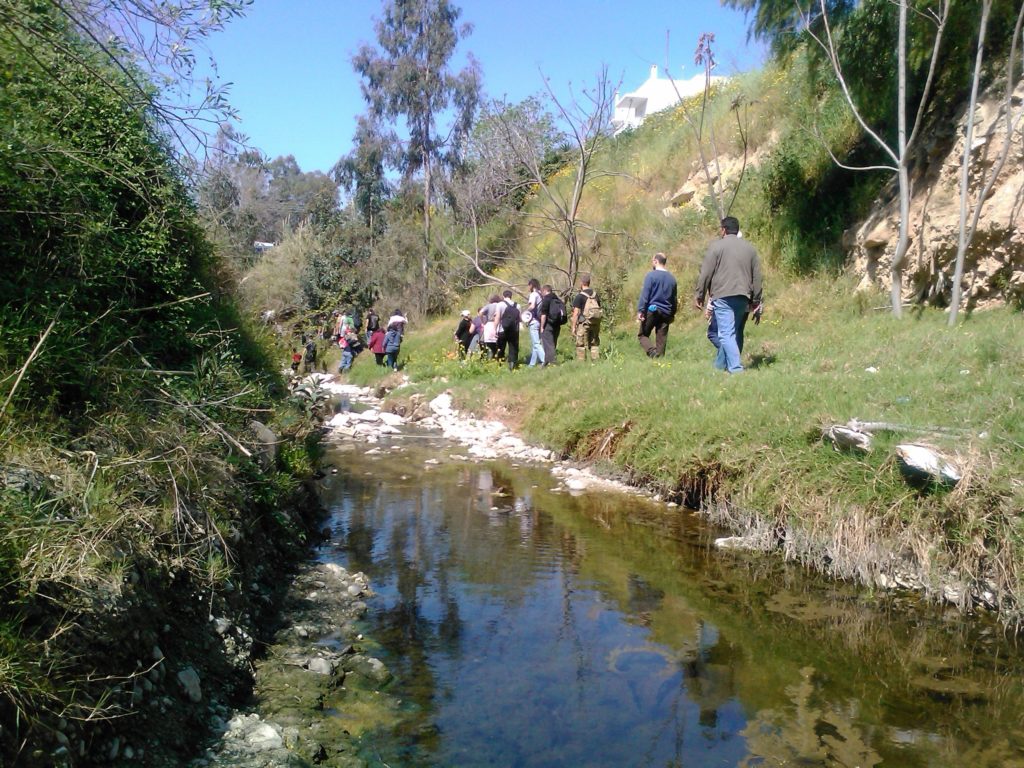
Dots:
(409, 77)
(362, 172)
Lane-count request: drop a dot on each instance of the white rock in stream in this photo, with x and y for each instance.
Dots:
(334, 570)
(442, 404)
(739, 542)
(338, 420)
(264, 737)
(391, 419)
(321, 666)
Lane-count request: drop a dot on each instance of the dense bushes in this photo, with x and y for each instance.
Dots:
(99, 233)
(132, 505)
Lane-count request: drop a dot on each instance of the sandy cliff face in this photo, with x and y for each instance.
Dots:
(994, 266)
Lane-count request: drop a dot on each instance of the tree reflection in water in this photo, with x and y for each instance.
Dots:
(529, 627)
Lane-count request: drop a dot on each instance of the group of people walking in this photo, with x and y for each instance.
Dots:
(384, 340)
(728, 292)
(494, 331)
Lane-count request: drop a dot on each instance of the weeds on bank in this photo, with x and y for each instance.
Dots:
(161, 489)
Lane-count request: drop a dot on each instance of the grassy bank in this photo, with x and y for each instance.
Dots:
(748, 449)
(137, 504)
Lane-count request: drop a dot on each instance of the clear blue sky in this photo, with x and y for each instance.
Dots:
(289, 61)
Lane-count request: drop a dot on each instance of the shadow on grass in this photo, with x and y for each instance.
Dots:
(762, 359)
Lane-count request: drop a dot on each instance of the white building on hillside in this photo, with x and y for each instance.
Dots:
(653, 96)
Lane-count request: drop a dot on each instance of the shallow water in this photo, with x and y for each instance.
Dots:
(527, 626)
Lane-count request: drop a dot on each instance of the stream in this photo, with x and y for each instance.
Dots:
(529, 625)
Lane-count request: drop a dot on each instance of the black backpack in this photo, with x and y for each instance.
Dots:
(556, 312)
(510, 318)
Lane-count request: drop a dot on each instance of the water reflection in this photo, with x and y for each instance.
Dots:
(534, 628)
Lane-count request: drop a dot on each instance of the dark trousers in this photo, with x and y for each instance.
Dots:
(655, 323)
(499, 347)
(512, 340)
(549, 339)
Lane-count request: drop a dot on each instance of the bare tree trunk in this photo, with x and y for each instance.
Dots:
(425, 259)
(902, 174)
(899, 156)
(714, 185)
(964, 239)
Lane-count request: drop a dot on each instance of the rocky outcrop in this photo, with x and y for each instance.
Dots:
(994, 266)
(725, 172)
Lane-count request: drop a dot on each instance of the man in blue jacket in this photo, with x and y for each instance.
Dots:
(657, 307)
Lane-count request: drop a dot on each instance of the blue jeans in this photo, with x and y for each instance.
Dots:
(393, 360)
(346, 360)
(713, 338)
(536, 349)
(728, 317)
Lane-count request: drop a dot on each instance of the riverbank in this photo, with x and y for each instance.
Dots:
(464, 552)
(748, 452)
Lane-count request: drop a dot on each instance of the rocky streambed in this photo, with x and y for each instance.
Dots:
(317, 688)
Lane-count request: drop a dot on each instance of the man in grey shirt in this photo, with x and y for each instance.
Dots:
(730, 278)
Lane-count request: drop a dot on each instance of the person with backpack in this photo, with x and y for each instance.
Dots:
(586, 320)
(508, 325)
(392, 346)
(464, 333)
(344, 324)
(489, 314)
(476, 338)
(657, 306)
(393, 338)
(533, 300)
(310, 356)
(372, 324)
(351, 345)
(552, 317)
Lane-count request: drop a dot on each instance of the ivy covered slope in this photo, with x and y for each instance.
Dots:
(132, 506)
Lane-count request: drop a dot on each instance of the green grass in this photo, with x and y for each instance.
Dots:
(749, 448)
